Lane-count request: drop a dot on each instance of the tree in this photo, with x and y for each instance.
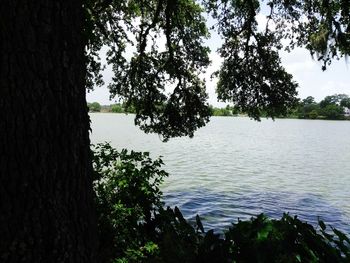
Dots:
(345, 102)
(45, 167)
(332, 107)
(251, 76)
(308, 100)
(308, 108)
(313, 114)
(333, 112)
(94, 107)
(46, 198)
(337, 99)
(117, 108)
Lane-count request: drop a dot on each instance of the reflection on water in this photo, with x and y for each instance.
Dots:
(218, 210)
(235, 167)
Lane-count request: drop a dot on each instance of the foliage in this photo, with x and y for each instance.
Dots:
(313, 114)
(286, 240)
(331, 107)
(257, 240)
(345, 102)
(337, 99)
(94, 107)
(121, 108)
(141, 80)
(157, 53)
(135, 227)
(127, 194)
(227, 111)
(116, 108)
(251, 75)
(333, 112)
(308, 108)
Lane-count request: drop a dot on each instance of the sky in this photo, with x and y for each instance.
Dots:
(306, 72)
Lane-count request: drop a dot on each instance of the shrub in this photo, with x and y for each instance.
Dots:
(127, 193)
(116, 108)
(285, 240)
(313, 114)
(94, 107)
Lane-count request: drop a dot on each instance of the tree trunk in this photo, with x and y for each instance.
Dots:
(46, 194)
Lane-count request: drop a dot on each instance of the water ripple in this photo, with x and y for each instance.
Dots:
(219, 210)
(237, 168)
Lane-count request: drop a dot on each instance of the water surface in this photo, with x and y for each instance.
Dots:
(236, 168)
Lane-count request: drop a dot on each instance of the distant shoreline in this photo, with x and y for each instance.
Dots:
(239, 116)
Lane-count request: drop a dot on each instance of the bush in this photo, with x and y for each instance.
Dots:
(135, 227)
(257, 240)
(333, 112)
(313, 114)
(127, 193)
(285, 240)
(94, 107)
(116, 108)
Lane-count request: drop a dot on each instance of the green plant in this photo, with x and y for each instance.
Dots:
(127, 193)
(333, 112)
(313, 114)
(286, 240)
(94, 107)
(117, 108)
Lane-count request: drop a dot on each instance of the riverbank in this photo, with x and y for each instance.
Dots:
(347, 118)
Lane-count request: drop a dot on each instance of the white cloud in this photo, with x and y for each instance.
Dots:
(303, 65)
(262, 20)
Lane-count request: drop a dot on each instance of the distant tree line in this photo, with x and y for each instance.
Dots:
(333, 107)
(94, 107)
(122, 108)
(114, 108)
(226, 111)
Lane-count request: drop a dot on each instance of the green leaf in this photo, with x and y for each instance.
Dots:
(199, 224)
(322, 224)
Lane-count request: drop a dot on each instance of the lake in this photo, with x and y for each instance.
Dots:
(237, 168)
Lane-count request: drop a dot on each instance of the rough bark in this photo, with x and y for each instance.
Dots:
(45, 169)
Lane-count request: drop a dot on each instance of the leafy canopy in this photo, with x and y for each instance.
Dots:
(162, 77)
